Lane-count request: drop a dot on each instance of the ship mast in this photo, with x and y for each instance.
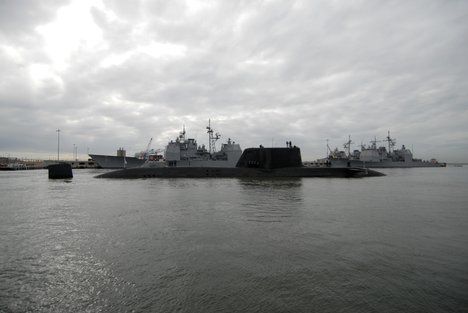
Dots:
(182, 134)
(347, 145)
(391, 142)
(212, 138)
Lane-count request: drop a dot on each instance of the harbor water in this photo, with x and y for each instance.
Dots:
(397, 243)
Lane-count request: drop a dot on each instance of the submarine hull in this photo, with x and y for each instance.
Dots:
(200, 172)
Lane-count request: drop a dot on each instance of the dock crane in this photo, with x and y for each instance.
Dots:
(148, 148)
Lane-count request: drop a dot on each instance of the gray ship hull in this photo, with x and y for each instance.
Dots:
(384, 164)
(116, 162)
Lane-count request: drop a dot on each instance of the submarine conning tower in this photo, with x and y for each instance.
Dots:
(270, 158)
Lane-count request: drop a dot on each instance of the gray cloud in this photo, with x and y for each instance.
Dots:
(262, 71)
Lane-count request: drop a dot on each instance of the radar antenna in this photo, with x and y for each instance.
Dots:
(182, 134)
(212, 138)
(347, 145)
(374, 143)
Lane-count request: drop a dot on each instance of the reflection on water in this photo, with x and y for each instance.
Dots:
(62, 281)
(46, 263)
(271, 200)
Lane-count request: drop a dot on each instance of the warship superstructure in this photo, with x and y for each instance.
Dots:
(373, 156)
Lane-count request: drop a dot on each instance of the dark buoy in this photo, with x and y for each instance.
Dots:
(60, 171)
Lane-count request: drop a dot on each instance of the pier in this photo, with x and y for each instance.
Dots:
(16, 164)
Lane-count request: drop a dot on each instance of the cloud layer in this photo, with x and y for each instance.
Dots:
(116, 73)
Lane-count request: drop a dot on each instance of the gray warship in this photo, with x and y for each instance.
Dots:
(373, 156)
(185, 152)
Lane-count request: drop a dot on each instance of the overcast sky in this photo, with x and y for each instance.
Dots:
(115, 73)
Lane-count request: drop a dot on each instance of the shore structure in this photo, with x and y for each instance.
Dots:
(17, 164)
(254, 162)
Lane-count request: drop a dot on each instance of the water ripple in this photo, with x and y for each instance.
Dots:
(234, 245)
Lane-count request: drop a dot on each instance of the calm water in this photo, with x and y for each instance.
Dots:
(386, 244)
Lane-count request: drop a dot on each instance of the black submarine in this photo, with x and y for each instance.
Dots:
(254, 162)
